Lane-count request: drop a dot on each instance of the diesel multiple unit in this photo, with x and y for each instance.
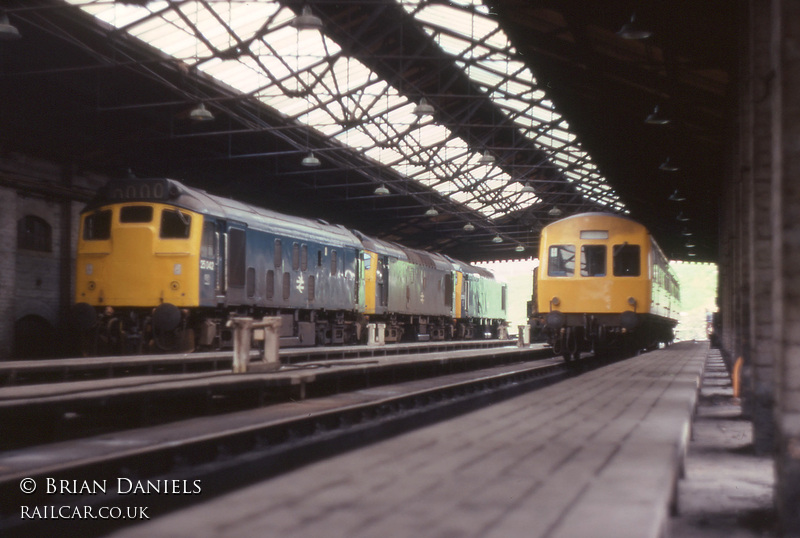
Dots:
(163, 265)
(602, 284)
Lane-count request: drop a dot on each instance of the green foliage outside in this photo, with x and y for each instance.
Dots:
(698, 298)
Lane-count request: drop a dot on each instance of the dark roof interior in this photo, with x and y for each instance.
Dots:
(82, 94)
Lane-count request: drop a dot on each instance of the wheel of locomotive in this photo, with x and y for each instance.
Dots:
(166, 340)
(110, 336)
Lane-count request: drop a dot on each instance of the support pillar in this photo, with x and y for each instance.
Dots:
(8, 269)
(785, 51)
(759, 91)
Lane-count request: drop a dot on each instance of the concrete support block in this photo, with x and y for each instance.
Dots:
(243, 335)
(376, 334)
(524, 335)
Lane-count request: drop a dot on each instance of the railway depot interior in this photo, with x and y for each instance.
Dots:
(457, 127)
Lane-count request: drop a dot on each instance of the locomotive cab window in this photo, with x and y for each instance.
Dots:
(97, 226)
(561, 260)
(593, 260)
(136, 213)
(175, 225)
(626, 260)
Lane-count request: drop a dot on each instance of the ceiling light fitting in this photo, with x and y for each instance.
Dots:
(555, 212)
(527, 189)
(520, 248)
(310, 161)
(8, 32)
(497, 239)
(667, 166)
(382, 191)
(201, 113)
(431, 212)
(676, 197)
(307, 20)
(486, 158)
(468, 227)
(423, 108)
(655, 118)
(631, 30)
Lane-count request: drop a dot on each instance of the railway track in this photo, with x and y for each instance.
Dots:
(27, 372)
(244, 447)
(54, 411)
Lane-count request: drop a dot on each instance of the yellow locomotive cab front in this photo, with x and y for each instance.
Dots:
(137, 255)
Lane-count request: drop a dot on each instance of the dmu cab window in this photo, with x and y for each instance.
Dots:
(175, 225)
(593, 260)
(97, 226)
(561, 260)
(626, 260)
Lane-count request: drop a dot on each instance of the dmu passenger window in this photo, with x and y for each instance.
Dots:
(97, 226)
(175, 225)
(561, 260)
(136, 213)
(593, 260)
(626, 260)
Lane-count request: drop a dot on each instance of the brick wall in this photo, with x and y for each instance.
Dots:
(33, 282)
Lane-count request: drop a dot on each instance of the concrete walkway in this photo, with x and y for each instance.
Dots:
(727, 490)
(595, 455)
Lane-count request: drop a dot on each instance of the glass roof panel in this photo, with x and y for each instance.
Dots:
(305, 76)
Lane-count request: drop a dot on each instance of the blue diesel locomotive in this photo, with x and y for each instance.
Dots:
(161, 266)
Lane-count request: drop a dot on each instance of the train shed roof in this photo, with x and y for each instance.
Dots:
(460, 127)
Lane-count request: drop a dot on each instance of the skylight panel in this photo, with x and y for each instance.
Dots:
(117, 16)
(452, 44)
(446, 16)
